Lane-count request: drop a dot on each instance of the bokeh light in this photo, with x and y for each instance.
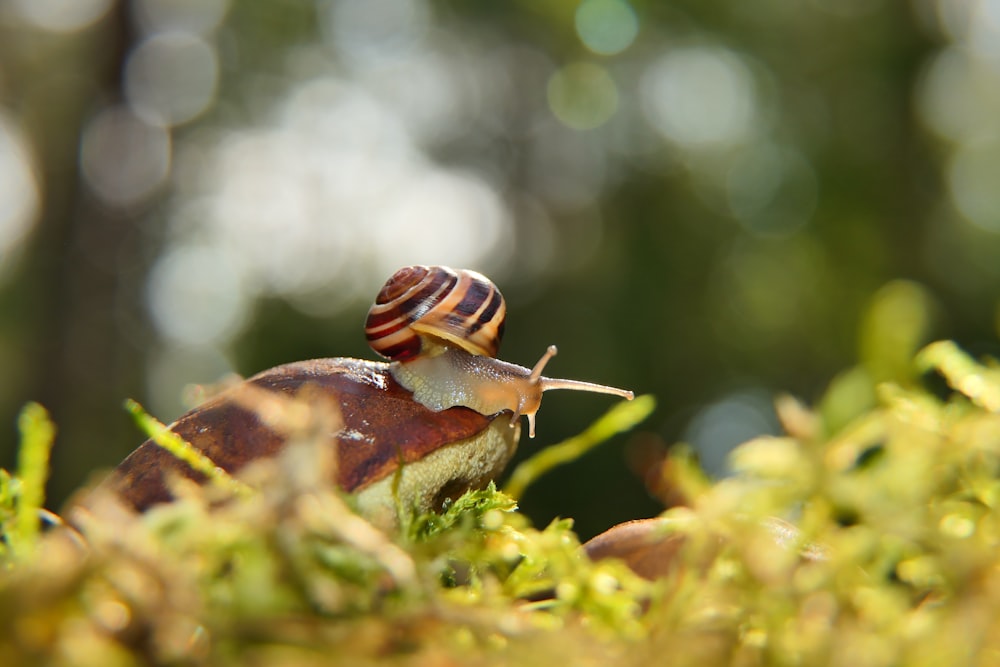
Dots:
(19, 194)
(373, 31)
(61, 16)
(582, 95)
(433, 92)
(973, 178)
(124, 159)
(171, 77)
(700, 97)
(974, 22)
(195, 296)
(958, 96)
(606, 27)
(454, 216)
(731, 420)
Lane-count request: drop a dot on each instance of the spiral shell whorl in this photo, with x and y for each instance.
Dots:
(459, 307)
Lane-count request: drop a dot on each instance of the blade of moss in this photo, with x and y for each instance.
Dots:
(183, 450)
(37, 435)
(621, 417)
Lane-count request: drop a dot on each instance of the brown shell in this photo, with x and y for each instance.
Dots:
(642, 544)
(382, 425)
(652, 552)
(460, 307)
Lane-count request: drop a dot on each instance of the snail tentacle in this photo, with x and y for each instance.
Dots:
(536, 372)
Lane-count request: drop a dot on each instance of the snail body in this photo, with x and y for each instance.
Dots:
(415, 431)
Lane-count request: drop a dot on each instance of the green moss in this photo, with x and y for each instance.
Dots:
(892, 560)
(22, 495)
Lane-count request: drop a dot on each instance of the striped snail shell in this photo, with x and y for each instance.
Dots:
(441, 327)
(460, 308)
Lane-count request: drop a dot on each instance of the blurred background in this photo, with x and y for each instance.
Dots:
(712, 202)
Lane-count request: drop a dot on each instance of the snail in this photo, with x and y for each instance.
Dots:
(415, 431)
(442, 328)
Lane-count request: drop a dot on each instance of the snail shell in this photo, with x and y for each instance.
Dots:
(460, 308)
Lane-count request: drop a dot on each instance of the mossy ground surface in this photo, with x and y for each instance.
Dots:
(893, 559)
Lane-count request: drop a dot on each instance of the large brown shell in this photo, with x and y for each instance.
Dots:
(382, 426)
